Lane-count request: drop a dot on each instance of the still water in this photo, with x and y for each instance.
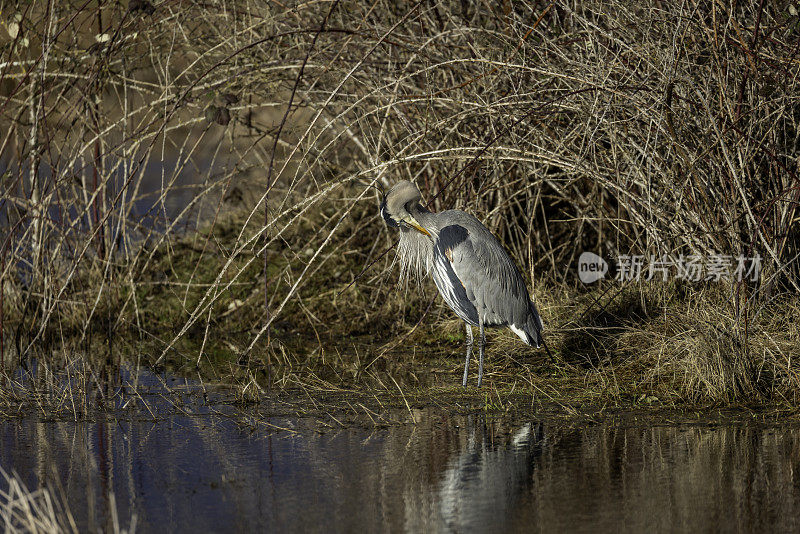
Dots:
(209, 468)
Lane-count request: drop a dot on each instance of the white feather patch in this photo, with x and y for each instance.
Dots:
(523, 336)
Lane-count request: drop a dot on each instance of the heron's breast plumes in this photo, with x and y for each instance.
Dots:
(415, 253)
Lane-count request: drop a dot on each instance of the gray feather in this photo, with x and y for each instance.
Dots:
(490, 279)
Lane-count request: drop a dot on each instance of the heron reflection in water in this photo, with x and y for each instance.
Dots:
(474, 274)
(484, 483)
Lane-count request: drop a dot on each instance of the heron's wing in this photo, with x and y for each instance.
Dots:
(491, 280)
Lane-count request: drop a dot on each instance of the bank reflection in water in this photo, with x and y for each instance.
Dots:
(446, 474)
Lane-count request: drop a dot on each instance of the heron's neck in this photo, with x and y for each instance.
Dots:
(427, 219)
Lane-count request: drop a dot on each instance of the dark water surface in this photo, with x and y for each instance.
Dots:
(448, 473)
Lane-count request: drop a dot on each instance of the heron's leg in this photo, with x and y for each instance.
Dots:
(481, 344)
(469, 353)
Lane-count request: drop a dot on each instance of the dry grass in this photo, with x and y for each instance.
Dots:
(42, 510)
(192, 178)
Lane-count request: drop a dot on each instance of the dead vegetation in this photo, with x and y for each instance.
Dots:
(192, 180)
(44, 510)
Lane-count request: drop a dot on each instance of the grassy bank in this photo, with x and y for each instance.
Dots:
(189, 185)
(674, 343)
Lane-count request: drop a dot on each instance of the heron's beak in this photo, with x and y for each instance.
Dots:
(413, 222)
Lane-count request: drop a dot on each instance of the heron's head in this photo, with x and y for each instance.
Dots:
(400, 204)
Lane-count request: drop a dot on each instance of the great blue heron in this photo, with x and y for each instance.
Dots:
(473, 272)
